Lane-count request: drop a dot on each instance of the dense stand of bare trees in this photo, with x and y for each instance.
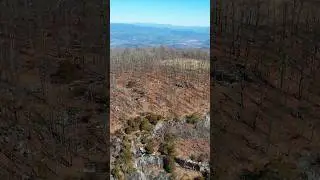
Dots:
(177, 66)
(58, 45)
(277, 42)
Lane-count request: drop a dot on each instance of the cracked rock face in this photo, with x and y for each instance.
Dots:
(150, 166)
(193, 165)
(181, 129)
(149, 160)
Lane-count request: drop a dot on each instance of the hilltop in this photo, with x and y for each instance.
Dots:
(157, 92)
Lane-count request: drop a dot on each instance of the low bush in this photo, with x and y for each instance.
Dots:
(134, 123)
(116, 172)
(145, 125)
(128, 130)
(154, 118)
(192, 119)
(169, 137)
(192, 157)
(202, 158)
(150, 147)
(168, 146)
(126, 159)
(126, 154)
(169, 164)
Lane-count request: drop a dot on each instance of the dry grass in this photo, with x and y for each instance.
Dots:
(161, 86)
(167, 82)
(188, 64)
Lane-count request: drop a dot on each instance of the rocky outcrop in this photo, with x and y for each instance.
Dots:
(182, 130)
(115, 147)
(193, 165)
(145, 164)
(149, 160)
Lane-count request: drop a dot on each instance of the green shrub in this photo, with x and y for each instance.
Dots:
(154, 118)
(126, 154)
(150, 147)
(169, 137)
(202, 158)
(176, 118)
(128, 130)
(126, 157)
(145, 125)
(116, 172)
(134, 123)
(168, 146)
(130, 168)
(131, 84)
(192, 157)
(169, 164)
(192, 119)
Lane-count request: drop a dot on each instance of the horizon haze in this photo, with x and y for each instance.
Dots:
(123, 35)
(172, 12)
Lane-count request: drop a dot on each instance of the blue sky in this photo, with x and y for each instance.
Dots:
(174, 12)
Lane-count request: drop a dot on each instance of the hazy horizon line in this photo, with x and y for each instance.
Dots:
(150, 23)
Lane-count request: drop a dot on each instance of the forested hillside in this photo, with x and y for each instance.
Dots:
(265, 89)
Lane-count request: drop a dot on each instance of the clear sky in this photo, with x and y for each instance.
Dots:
(174, 12)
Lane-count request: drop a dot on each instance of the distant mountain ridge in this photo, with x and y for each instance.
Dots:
(194, 28)
(150, 35)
